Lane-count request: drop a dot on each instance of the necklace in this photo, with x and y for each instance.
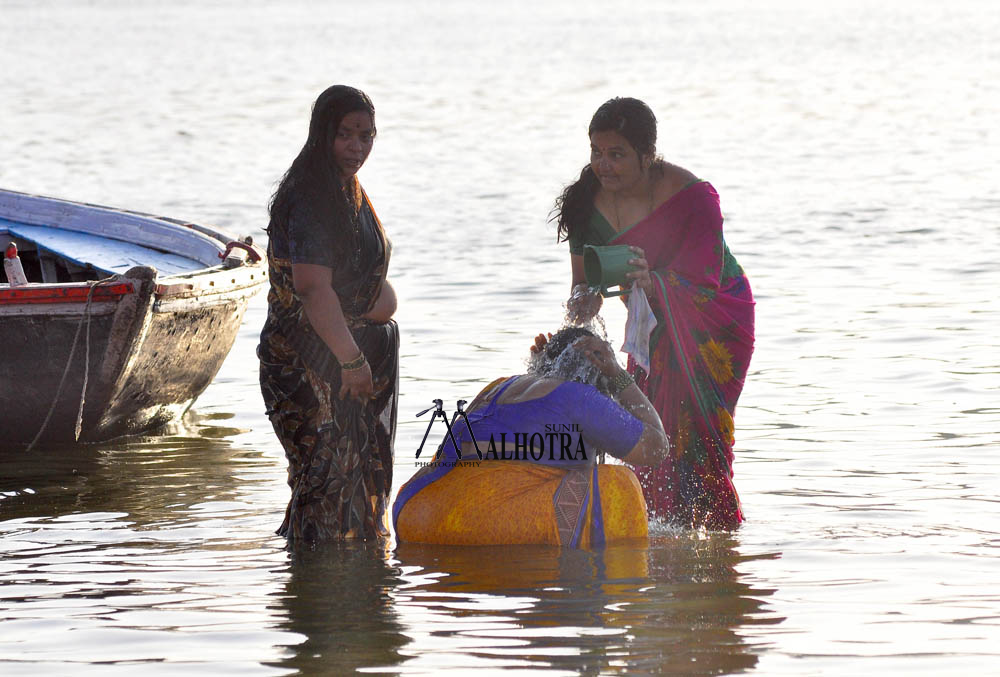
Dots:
(649, 209)
(354, 203)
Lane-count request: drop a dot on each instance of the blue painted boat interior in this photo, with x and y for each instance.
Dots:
(100, 253)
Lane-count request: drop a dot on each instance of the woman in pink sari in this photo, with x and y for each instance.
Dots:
(700, 349)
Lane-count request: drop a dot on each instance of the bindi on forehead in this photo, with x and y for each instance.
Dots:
(357, 122)
(609, 141)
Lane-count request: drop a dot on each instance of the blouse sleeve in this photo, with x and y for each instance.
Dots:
(576, 242)
(604, 424)
(309, 240)
(583, 236)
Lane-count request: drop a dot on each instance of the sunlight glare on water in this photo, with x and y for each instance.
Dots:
(853, 146)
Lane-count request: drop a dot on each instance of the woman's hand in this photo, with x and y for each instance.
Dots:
(357, 383)
(600, 355)
(540, 342)
(583, 305)
(640, 276)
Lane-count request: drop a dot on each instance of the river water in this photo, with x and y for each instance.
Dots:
(855, 148)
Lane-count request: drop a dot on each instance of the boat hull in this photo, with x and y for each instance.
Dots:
(181, 351)
(128, 359)
(36, 355)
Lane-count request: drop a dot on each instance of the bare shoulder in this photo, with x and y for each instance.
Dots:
(487, 393)
(671, 181)
(529, 387)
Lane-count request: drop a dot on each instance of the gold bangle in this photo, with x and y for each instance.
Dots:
(356, 363)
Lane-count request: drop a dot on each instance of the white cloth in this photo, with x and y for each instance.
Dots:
(640, 324)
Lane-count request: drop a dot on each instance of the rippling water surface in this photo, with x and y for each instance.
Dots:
(855, 150)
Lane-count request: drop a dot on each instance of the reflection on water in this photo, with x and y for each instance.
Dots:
(339, 598)
(147, 478)
(152, 551)
(146, 550)
(676, 604)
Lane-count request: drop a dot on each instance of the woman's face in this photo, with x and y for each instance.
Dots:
(615, 162)
(353, 142)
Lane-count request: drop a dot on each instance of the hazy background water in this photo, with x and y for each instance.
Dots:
(855, 148)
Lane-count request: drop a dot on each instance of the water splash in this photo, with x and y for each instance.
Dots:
(572, 317)
(569, 365)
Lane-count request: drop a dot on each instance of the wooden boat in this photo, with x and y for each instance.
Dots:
(125, 320)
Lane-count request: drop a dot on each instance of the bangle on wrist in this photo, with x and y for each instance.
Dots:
(620, 382)
(356, 363)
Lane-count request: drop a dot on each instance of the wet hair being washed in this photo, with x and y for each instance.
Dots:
(631, 118)
(314, 179)
(555, 360)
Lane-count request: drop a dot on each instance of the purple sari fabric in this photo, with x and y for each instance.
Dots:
(699, 356)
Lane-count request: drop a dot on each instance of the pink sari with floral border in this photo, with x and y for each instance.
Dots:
(699, 355)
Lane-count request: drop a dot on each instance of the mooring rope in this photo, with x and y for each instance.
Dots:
(69, 362)
(86, 368)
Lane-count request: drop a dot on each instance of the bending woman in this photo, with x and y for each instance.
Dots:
(329, 352)
(700, 349)
(538, 482)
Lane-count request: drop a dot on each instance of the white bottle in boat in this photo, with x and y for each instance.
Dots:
(12, 267)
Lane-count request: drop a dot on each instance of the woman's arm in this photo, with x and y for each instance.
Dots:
(576, 263)
(322, 306)
(652, 446)
(583, 304)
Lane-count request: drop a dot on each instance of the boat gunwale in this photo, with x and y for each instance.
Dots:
(63, 292)
(149, 230)
(207, 281)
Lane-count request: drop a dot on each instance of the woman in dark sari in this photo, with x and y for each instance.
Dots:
(329, 350)
(700, 349)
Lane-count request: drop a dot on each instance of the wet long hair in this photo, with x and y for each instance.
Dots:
(562, 340)
(314, 180)
(555, 360)
(631, 118)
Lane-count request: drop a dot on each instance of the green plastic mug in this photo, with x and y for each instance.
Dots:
(607, 266)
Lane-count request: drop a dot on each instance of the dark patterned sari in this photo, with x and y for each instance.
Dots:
(339, 452)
